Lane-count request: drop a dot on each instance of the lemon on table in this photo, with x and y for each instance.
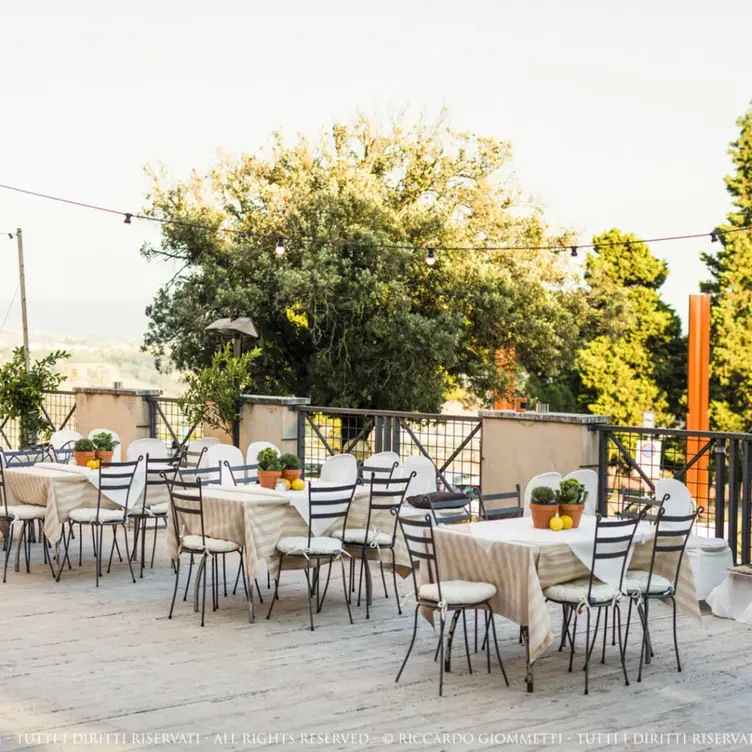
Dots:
(287, 483)
(566, 521)
(92, 464)
(298, 485)
(556, 523)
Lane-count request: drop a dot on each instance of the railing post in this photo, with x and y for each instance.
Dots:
(301, 438)
(720, 487)
(733, 502)
(152, 417)
(396, 427)
(602, 471)
(745, 502)
(379, 434)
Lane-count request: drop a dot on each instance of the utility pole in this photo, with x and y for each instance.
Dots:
(22, 285)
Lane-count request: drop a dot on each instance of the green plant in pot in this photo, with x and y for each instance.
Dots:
(543, 506)
(104, 444)
(84, 451)
(269, 467)
(290, 466)
(572, 496)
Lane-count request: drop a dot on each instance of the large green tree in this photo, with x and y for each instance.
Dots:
(633, 355)
(731, 301)
(360, 325)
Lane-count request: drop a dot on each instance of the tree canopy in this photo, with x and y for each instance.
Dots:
(359, 325)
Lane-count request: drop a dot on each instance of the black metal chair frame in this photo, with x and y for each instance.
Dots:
(119, 480)
(243, 480)
(570, 608)
(504, 513)
(313, 579)
(421, 547)
(187, 499)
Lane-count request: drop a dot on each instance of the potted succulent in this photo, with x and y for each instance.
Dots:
(571, 497)
(543, 506)
(269, 467)
(290, 466)
(84, 452)
(104, 443)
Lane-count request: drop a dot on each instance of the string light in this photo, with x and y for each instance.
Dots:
(714, 237)
(279, 249)
(430, 257)
(573, 251)
(127, 220)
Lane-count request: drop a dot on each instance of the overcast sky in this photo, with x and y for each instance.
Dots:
(619, 114)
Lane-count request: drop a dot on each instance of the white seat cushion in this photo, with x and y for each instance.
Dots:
(299, 544)
(707, 544)
(358, 535)
(636, 580)
(25, 512)
(160, 508)
(213, 545)
(461, 592)
(89, 514)
(576, 591)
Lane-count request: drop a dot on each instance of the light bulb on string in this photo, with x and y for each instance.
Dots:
(127, 219)
(713, 237)
(430, 257)
(279, 249)
(573, 251)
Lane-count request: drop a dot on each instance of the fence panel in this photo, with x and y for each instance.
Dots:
(59, 409)
(453, 442)
(169, 424)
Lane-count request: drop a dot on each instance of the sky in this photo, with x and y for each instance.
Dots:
(619, 114)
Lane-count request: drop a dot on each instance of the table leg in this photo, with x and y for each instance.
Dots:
(528, 665)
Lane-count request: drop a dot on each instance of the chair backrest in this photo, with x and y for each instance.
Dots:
(675, 496)
(238, 475)
(3, 497)
(671, 535)
(116, 476)
(251, 454)
(63, 455)
(386, 494)
(382, 464)
(24, 457)
(497, 507)
(552, 480)
(117, 452)
(153, 448)
(196, 451)
(215, 458)
(157, 469)
(589, 479)
(424, 481)
(59, 439)
(330, 503)
(341, 469)
(421, 547)
(186, 499)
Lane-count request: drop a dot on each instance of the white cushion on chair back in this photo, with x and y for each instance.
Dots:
(252, 453)
(216, 456)
(679, 502)
(424, 481)
(589, 479)
(383, 460)
(117, 453)
(195, 448)
(60, 438)
(341, 469)
(155, 448)
(552, 480)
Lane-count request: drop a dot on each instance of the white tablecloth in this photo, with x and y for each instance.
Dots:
(116, 496)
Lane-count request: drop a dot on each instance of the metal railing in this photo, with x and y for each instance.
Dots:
(452, 442)
(60, 410)
(716, 468)
(168, 423)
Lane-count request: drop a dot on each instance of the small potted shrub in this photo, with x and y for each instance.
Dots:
(269, 467)
(571, 497)
(290, 466)
(84, 451)
(543, 506)
(104, 443)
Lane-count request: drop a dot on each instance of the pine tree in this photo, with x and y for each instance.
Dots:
(731, 302)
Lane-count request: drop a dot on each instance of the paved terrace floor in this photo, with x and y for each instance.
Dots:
(81, 661)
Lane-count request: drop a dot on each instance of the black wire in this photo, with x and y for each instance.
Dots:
(394, 246)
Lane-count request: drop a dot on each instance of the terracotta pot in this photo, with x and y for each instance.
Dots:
(542, 514)
(83, 457)
(574, 511)
(269, 478)
(291, 473)
(104, 456)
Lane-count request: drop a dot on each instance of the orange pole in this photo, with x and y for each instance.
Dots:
(698, 383)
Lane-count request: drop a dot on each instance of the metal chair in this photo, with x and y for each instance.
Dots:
(442, 597)
(114, 477)
(587, 593)
(329, 503)
(488, 508)
(238, 475)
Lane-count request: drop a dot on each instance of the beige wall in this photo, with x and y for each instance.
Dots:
(516, 449)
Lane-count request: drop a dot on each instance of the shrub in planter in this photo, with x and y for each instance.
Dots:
(104, 444)
(84, 451)
(290, 466)
(572, 496)
(269, 467)
(543, 506)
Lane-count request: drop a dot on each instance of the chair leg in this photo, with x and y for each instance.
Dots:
(394, 578)
(605, 633)
(565, 619)
(46, 543)
(441, 655)
(573, 639)
(590, 645)
(237, 576)
(496, 643)
(617, 615)
(587, 652)
(9, 546)
(154, 543)
(345, 585)
(676, 642)
(360, 580)
(127, 552)
(467, 644)
(626, 631)
(310, 591)
(320, 603)
(644, 648)
(412, 642)
(143, 548)
(81, 544)
(276, 586)
(175, 591)
(202, 573)
(383, 578)
(224, 572)
(112, 548)
(97, 565)
(66, 539)
(136, 534)
(248, 593)
(188, 581)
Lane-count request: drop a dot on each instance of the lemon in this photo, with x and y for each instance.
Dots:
(556, 523)
(298, 485)
(287, 483)
(92, 464)
(566, 521)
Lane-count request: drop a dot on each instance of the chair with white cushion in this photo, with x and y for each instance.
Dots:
(611, 547)
(330, 504)
(424, 481)
(552, 480)
(219, 455)
(382, 464)
(114, 477)
(341, 469)
(252, 453)
(672, 533)
(117, 451)
(196, 451)
(26, 515)
(187, 503)
(380, 532)
(589, 479)
(61, 443)
(443, 596)
(154, 448)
